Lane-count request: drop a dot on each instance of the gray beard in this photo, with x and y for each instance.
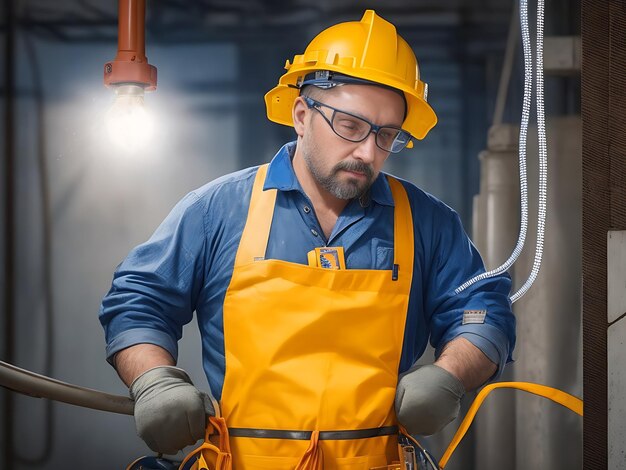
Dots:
(348, 190)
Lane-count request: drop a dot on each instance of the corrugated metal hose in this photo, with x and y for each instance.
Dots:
(543, 156)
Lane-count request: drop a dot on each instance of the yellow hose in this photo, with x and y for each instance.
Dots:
(569, 401)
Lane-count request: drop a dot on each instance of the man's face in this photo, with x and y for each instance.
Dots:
(343, 168)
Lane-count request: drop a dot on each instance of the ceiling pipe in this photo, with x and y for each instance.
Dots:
(130, 65)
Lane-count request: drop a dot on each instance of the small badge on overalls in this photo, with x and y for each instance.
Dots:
(327, 257)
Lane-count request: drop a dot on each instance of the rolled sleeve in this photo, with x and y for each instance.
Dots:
(491, 341)
(129, 338)
(457, 261)
(155, 289)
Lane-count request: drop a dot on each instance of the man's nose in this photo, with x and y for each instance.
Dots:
(367, 149)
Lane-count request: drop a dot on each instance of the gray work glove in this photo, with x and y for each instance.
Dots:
(427, 398)
(170, 413)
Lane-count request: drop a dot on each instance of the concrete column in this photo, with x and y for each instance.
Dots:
(495, 232)
(549, 349)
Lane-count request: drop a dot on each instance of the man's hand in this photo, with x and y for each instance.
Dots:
(170, 413)
(427, 398)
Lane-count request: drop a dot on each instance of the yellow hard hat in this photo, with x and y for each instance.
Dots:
(370, 50)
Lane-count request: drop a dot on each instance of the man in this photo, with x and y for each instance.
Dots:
(317, 280)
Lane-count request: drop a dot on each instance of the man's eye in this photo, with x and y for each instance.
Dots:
(348, 124)
(388, 135)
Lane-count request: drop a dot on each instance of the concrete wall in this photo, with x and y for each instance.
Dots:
(616, 347)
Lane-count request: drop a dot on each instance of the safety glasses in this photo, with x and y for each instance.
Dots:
(356, 129)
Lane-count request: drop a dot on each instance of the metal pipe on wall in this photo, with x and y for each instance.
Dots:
(495, 228)
(537, 435)
(549, 316)
(9, 225)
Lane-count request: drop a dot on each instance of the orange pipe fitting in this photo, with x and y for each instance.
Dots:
(130, 65)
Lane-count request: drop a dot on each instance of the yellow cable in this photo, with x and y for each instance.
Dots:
(569, 401)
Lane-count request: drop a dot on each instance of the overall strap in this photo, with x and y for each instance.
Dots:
(257, 229)
(402, 232)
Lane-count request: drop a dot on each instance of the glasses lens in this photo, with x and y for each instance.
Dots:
(350, 127)
(392, 139)
(386, 137)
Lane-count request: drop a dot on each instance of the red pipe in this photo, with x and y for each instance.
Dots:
(131, 26)
(131, 64)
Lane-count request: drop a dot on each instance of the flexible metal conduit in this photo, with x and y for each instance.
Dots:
(543, 158)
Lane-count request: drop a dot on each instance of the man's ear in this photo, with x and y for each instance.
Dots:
(299, 112)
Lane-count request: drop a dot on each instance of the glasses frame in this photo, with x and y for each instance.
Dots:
(314, 104)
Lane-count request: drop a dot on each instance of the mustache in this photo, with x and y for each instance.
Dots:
(353, 165)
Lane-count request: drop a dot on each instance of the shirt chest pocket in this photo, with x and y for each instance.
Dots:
(377, 255)
(383, 257)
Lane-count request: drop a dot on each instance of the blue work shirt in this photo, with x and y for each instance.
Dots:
(187, 265)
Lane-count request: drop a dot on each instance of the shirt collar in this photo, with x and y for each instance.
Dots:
(280, 175)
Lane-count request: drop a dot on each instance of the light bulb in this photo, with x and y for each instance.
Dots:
(129, 124)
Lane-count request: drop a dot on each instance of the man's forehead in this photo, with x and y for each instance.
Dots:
(359, 90)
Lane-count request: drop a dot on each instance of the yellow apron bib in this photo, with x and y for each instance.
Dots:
(312, 354)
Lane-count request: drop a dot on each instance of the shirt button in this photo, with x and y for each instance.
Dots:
(314, 232)
(306, 209)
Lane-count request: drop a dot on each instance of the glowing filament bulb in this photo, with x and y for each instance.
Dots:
(129, 124)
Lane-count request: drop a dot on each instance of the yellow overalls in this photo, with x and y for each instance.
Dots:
(312, 354)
